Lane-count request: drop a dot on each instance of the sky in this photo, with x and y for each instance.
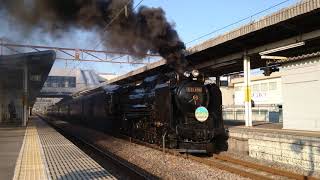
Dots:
(192, 20)
(196, 18)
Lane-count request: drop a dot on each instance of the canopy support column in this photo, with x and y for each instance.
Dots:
(25, 96)
(247, 90)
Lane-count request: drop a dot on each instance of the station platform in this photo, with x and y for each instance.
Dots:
(40, 152)
(11, 140)
(268, 141)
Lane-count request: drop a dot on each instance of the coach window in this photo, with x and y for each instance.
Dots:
(256, 88)
(66, 84)
(264, 87)
(238, 88)
(272, 86)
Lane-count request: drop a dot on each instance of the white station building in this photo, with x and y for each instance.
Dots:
(265, 90)
(294, 90)
(301, 93)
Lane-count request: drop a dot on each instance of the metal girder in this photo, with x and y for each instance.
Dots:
(100, 61)
(90, 54)
(70, 49)
(70, 53)
(66, 53)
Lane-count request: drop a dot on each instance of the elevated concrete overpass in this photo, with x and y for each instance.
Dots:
(224, 54)
(63, 82)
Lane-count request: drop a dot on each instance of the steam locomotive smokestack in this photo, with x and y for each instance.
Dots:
(136, 32)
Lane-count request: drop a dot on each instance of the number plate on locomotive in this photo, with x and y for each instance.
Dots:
(194, 89)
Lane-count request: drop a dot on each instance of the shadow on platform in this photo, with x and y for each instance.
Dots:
(11, 140)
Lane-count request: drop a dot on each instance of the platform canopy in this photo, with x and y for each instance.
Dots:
(290, 32)
(21, 79)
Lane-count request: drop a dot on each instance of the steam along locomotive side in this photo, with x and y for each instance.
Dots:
(179, 110)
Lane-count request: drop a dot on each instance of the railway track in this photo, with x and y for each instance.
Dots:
(237, 166)
(224, 162)
(249, 169)
(129, 170)
(264, 168)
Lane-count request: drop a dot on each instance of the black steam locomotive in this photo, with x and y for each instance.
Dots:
(179, 110)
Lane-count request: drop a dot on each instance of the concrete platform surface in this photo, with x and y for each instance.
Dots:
(46, 154)
(11, 140)
(256, 124)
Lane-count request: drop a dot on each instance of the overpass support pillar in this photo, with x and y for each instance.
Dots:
(247, 90)
(25, 97)
(218, 81)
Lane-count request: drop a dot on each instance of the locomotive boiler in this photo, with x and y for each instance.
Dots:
(179, 110)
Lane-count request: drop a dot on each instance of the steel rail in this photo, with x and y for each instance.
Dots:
(217, 159)
(264, 168)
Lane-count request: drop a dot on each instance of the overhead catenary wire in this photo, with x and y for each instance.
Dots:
(108, 25)
(239, 21)
(113, 19)
(105, 29)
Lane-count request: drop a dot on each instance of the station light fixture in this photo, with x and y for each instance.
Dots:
(282, 48)
(274, 57)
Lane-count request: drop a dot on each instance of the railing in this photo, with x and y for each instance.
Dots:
(267, 113)
(58, 90)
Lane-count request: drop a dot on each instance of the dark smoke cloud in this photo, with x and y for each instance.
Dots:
(137, 32)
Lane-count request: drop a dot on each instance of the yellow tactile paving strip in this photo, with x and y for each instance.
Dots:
(46, 154)
(30, 163)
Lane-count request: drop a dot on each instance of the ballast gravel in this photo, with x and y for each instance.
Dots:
(162, 165)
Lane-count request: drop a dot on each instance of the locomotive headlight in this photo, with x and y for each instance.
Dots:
(187, 74)
(195, 73)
